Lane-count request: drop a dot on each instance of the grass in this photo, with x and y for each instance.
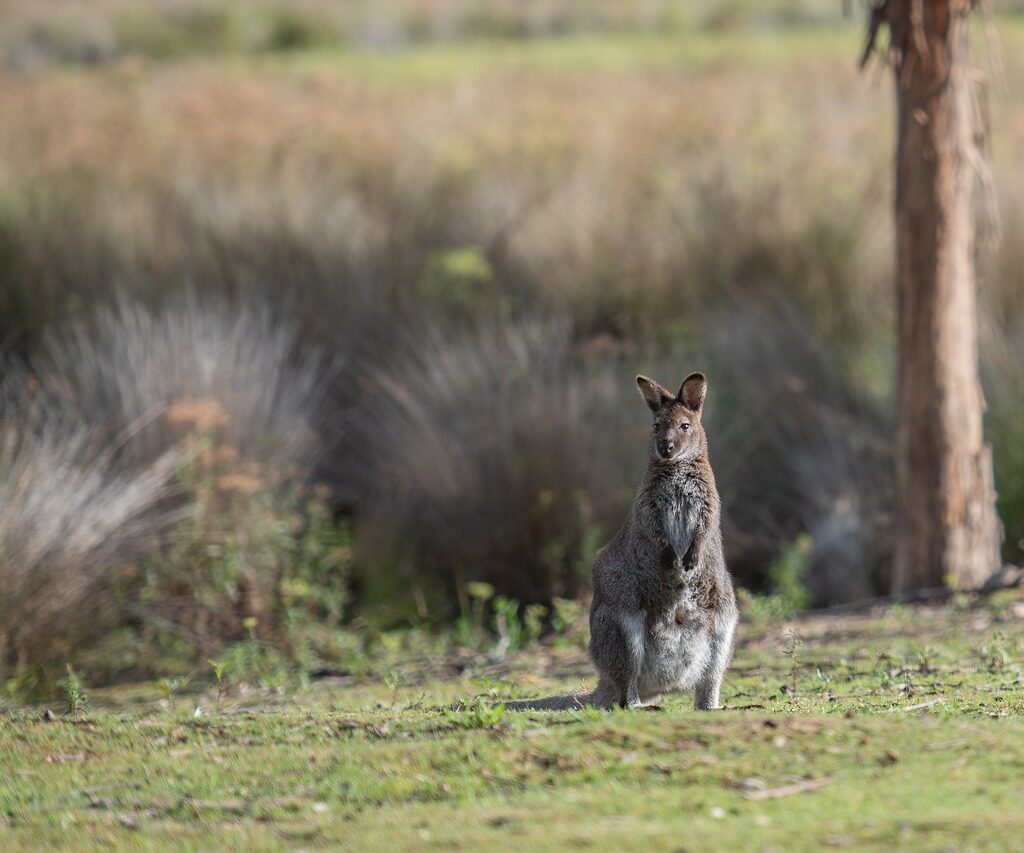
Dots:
(897, 727)
(683, 51)
(686, 51)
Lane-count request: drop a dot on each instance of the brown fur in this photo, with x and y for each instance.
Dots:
(664, 611)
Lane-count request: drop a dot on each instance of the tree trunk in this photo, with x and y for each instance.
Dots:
(947, 532)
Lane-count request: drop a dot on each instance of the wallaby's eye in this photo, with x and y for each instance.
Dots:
(686, 427)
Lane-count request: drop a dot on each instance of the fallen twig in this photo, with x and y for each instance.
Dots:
(786, 790)
(919, 705)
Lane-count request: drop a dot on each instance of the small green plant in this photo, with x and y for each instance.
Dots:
(395, 680)
(32, 684)
(459, 278)
(884, 670)
(788, 594)
(567, 614)
(257, 551)
(469, 629)
(792, 651)
(255, 662)
(516, 631)
(219, 668)
(786, 576)
(73, 689)
(996, 654)
(924, 659)
(479, 715)
(533, 623)
(588, 714)
(169, 687)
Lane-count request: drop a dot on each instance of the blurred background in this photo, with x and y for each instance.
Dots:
(320, 318)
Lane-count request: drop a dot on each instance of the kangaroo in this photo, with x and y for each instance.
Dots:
(664, 610)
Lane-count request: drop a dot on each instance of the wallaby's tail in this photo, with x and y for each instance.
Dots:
(552, 703)
(567, 702)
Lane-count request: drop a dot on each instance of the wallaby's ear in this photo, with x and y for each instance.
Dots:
(692, 392)
(653, 393)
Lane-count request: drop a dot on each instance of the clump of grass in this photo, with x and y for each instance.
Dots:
(788, 593)
(75, 695)
(791, 650)
(478, 715)
(478, 462)
(816, 508)
(222, 366)
(169, 687)
(255, 550)
(74, 517)
(135, 498)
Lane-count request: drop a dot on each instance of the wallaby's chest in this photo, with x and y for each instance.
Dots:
(679, 497)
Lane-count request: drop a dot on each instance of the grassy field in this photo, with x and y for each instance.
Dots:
(895, 727)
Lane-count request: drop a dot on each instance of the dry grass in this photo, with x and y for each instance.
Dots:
(207, 362)
(74, 518)
(695, 199)
(126, 427)
(284, 177)
(479, 460)
(36, 34)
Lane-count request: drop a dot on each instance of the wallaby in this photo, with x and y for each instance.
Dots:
(664, 611)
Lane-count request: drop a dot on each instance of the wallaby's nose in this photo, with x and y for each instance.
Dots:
(666, 448)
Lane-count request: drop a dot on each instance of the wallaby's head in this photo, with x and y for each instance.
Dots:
(678, 433)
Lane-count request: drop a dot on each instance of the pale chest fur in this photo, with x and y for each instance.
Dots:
(679, 508)
(678, 503)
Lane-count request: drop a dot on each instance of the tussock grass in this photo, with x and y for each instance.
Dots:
(74, 516)
(711, 193)
(125, 428)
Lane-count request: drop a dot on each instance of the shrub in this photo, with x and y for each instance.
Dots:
(74, 517)
(206, 361)
(489, 456)
(1002, 346)
(256, 556)
(154, 470)
(799, 447)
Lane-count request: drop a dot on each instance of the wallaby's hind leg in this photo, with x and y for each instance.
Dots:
(707, 696)
(617, 646)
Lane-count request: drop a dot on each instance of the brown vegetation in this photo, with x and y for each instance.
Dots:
(349, 252)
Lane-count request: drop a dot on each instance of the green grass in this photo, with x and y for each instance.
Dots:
(685, 51)
(895, 728)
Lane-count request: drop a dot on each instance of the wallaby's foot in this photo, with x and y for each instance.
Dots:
(707, 698)
(630, 700)
(637, 703)
(604, 697)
